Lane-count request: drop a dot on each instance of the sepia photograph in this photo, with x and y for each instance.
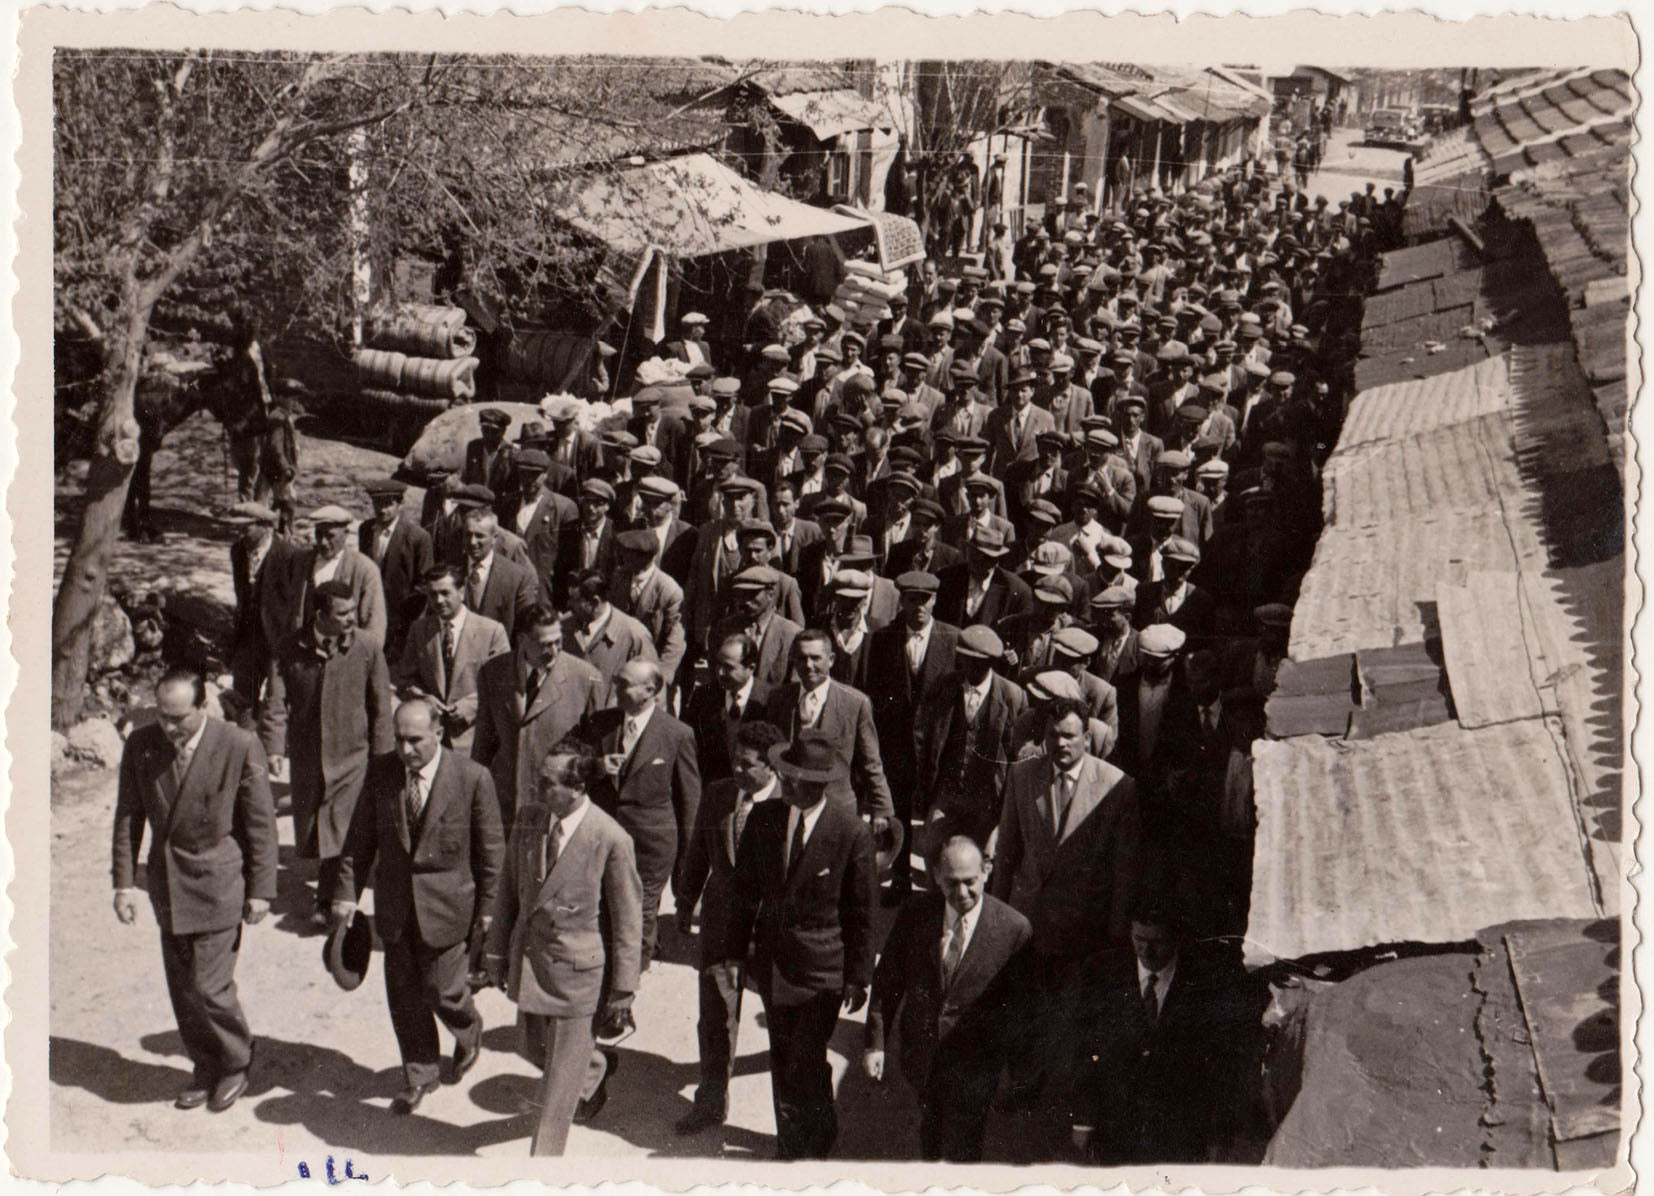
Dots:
(1063, 609)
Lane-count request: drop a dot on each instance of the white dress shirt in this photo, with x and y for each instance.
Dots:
(918, 643)
(324, 571)
(810, 817)
(735, 704)
(960, 927)
(1162, 981)
(977, 694)
(810, 703)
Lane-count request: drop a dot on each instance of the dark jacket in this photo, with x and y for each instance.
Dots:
(809, 927)
(329, 717)
(212, 838)
(898, 694)
(1007, 595)
(658, 787)
(438, 878)
(953, 1034)
(846, 720)
(407, 556)
(962, 767)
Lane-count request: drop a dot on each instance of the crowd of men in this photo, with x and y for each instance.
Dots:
(970, 613)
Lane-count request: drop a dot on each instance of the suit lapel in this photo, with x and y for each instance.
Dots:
(563, 867)
(190, 783)
(1044, 813)
(796, 871)
(645, 743)
(548, 689)
(431, 813)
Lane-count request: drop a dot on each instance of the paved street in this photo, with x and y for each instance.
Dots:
(326, 1064)
(1348, 165)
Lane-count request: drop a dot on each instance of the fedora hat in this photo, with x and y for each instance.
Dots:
(348, 949)
(809, 758)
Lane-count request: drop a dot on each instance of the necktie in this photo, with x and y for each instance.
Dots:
(795, 849)
(743, 810)
(628, 736)
(1063, 792)
(532, 689)
(448, 637)
(415, 799)
(476, 586)
(973, 703)
(953, 952)
(1151, 1000)
(807, 709)
(734, 711)
(553, 848)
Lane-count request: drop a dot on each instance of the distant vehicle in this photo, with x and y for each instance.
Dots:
(1393, 127)
(1436, 118)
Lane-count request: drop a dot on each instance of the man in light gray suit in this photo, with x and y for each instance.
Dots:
(445, 648)
(569, 876)
(527, 702)
(647, 594)
(287, 601)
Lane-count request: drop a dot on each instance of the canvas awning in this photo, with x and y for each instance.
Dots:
(688, 207)
(829, 113)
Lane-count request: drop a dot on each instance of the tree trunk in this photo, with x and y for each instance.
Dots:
(86, 576)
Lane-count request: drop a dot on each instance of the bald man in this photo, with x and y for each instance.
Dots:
(651, 783)
(949, 971)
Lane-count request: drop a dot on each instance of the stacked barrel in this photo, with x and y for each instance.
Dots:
(419, 359)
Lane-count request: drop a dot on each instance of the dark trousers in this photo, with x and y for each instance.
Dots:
(953, 1115)
(720, 1019)
(327, 876)
(423, 984)
(1035, 1062)
(801, 1081)
(657, 849)
(200, 971)
(903, 781)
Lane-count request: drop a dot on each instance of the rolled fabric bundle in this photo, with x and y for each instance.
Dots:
(393, 402)
(407, 333)
(864, 269)
(440, 378)
(380, 368)
(434, 313)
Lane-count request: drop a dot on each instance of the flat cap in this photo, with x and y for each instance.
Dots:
(597, 488)
(1051, 559)
(331, 514)
(917, 581)
(1160, 639)
(640, 540)
(1178, 549)
(384, 487)
(1054, 590)
(1164, 506)
(757, 577)
(728, 387)
(1051, 685)
(979, 641)
(782, 385)
(852, 583)
(1075, 641)
(656, 487)
(1113, 598)
(776, 353)
(493, 417)
(1273, 614)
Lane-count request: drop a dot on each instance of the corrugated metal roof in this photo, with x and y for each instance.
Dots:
(1410, 408)
(1494, 654)
(1420, 837)
(1458, 467)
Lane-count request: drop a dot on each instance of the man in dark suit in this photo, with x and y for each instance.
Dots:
(566, 938)
(1173, 598)
(1013, 428)
(573, 448)
(950, 967)
(1156, 1032)
(979, 591)
(540, 517)
(201, 787)
(793, 535)
(709, 877)
(752, 599)
(964, 741)
(428, 825)
(717, 707)
(923, 550)
(255, 555)
(327, 711)
(1064, 857)
(495, 587)
(589, 542)
(803, 903)
(528, 701)
(844, 717)
(489, 460)
(907, 666)
(652, 784)
(402, 551)
(667, 433)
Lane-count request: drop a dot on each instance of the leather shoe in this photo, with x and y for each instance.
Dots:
(700, 1117)
(587, 1110)
(408, 1099)
(227, 1091)
(465, 1057)
(192, 1097)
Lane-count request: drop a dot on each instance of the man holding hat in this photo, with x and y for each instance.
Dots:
(288, 604)
(811, 856)
(427, 803)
